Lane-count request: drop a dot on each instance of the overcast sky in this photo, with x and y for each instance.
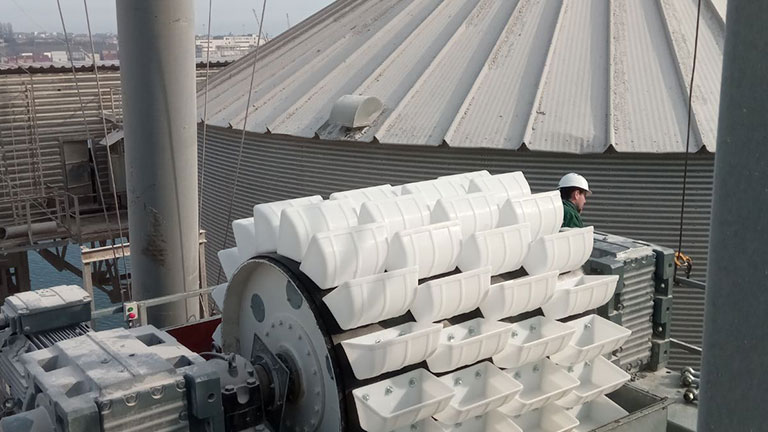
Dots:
(229, 16)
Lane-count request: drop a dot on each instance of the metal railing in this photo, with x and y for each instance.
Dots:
(143, 305)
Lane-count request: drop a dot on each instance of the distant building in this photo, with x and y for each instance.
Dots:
(58, 56)
(226, 46)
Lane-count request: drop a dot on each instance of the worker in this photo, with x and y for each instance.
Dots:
(573, 191)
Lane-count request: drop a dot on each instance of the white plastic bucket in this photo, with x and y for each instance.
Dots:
(502, 186)
(433, 190)
(468, 342)
(550, 418)
(433, 248)
(476, 212)
(594, 337)
(359, 196)
(334, 257)
(577, 295)
(244, 232)
(478, 389)
(597, 413)
(493, 421)
(299, 224)
(564, 251)
(266, 221)
(451, 295)
(400, 401)
(532, 340)
(230, 260)
(543, 383)
(513, 297)
(391, 349)
(596, 378)
(373, 298)
(503, 249)
(399, 213)
(463, 179)
(543, 211)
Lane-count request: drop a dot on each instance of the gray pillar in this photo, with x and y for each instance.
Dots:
(157, 71)
(735, 347)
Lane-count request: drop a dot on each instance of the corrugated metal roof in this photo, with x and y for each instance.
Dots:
(551, 75)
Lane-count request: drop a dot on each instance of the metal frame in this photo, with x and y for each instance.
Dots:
(106, 253)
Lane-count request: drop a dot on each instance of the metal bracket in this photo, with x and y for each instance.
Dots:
(262, 356)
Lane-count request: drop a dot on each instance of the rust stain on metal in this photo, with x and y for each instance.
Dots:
(155, 248)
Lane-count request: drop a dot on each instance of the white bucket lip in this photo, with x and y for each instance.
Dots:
(423, 374)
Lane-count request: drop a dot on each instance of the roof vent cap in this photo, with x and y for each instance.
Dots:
(354, 111)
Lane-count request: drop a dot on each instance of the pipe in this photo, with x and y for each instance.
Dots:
(735, 345)
(9, 232)
(157, 73)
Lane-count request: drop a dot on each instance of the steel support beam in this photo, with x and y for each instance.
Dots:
(157, 72)
(735, 321)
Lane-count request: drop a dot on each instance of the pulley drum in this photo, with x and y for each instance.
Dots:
(269, 305)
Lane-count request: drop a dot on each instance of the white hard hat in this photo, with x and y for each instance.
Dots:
(574, 180)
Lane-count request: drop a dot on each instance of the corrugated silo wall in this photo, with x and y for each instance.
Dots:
(635, 195)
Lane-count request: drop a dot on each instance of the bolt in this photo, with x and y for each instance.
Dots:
(280, 323)
(183, 416)
(250, 382)
(388, 390)
(532, 328)
(157, 392)
(290, 326)
(414, 427)
(266, 334)
(104, 360)
(457, 382)
(690, 381)
(471, 331)
(478, 374)
(229, 388)
(105, 406)
(691, 395)
(366, 397)
(570, 369)
(517, 375)
(587, 325)
(451, 337)
(401, 333)
(513, 335)
(659, 329)
(180, 385)
(378, 341)
(412, 382)
(535, 368)
(690, 371)
(130, 399)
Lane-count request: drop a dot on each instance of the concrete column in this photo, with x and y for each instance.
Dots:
(157, 71)
(735, 351)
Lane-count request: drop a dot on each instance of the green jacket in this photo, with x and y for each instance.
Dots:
(571, 216)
